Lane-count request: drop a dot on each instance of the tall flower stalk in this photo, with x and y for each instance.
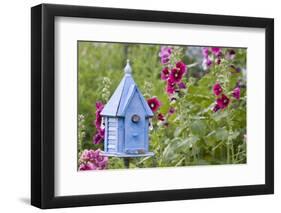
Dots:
(105, 91)
(81, 131)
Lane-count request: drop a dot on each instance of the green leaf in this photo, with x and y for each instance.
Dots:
(193, 139)
(178, 131)
(221, 134)
(233, 135)
(198, 127)
(188, 142)
(219, 115)
(211, 139)
(168, 153)
(180, 162)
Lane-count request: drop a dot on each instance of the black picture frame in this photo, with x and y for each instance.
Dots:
(43, 102)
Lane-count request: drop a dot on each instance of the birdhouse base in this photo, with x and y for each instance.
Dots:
(124, 155)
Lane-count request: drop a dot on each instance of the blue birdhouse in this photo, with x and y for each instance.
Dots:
(126, 118)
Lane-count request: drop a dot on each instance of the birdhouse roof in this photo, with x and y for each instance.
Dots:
(119, 101)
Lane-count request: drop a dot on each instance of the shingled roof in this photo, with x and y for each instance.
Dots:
(119, 101)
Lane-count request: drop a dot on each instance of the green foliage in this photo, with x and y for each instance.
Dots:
(194, 134)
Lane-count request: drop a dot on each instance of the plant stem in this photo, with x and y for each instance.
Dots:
(227, 153)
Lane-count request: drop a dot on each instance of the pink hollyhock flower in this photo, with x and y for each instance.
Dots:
(170, 87)
(165, 73)
(101, 161)
(165, 60)
(171, 110)
(223, 101)
(165, 51)
(92, 160)
(182, 85)
(165, 54)
(216, 51)
(154, 104)
(87, 155)
(87, 166)
(206, 59)
(217, 89)
(160, 117)
(176, 75)
(236, 93)
(206, 63)
(205, 51)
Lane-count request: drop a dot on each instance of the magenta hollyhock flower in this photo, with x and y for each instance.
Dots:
(165, 73)
(154, 104)
(173, 99)
(182, 85)
(182, 66)
(171, 110)
(217, 89)
(216, 108)
(97, 138)
(230, 54)
(165, 54)
(236, 93)
(102, 131)
(216, 51)
(160, 117)
(170, 87)
(176, 75)
(87, 166)
(170, 90)
(218, 61)
(99, 105)
(223, 101)
(99, 108)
